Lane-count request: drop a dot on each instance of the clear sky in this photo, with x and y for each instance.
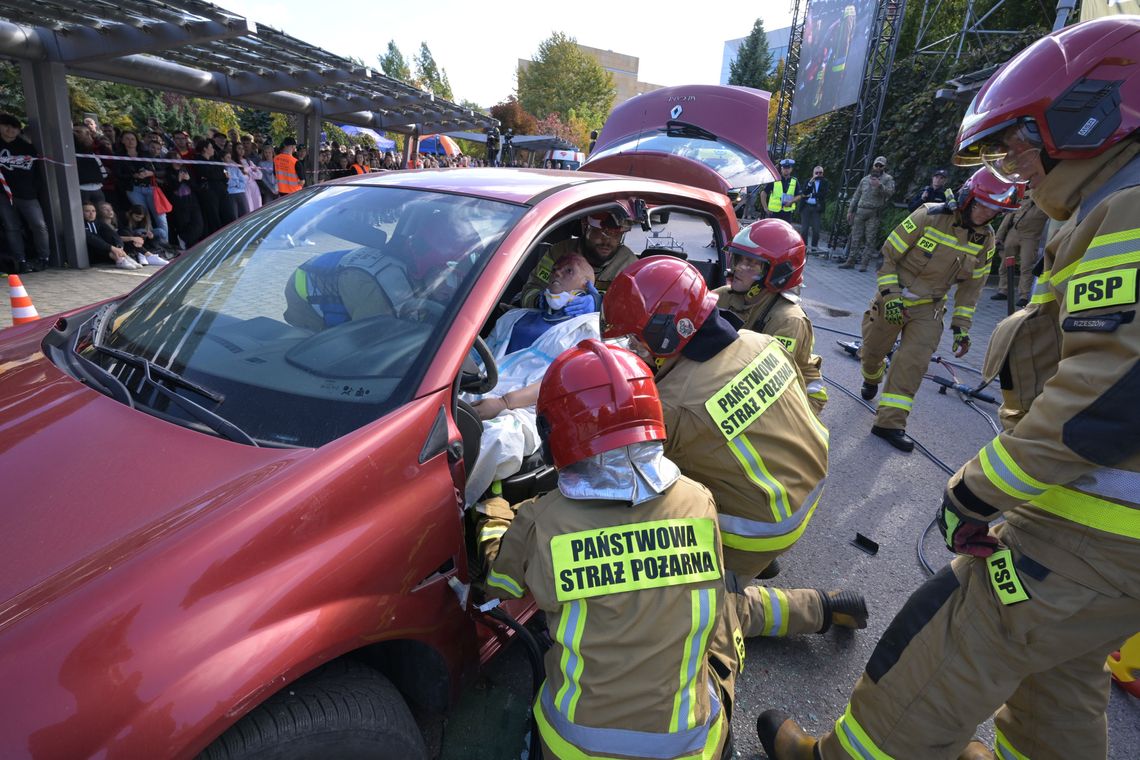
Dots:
(676, 42)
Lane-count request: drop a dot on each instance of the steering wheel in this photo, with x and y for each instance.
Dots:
(472, 378)
(421, 310)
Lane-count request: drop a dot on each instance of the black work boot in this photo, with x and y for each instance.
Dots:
(868, 390)
(975, 750)
(897, 437)
(783, 739)
(846, 609)
(849, 264)
(771, 571)
(999, 296)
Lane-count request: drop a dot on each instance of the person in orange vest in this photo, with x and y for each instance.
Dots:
(358, 164)
(285, 167)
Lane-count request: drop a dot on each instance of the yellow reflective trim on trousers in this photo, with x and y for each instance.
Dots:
(564, 750)
(571, 664)
(1091, 511)
(855, 740)
(774, 607)
(489, 532)
(917, 301)
(888, 279)
(775, 543)
(875, 375)
(1004, 749)
(759, 474)
(897, 400)
(963, 311)
(301, 283)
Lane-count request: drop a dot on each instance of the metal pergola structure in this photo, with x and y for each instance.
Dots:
(196, 49)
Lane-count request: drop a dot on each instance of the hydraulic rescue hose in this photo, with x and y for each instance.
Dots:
(966, 393)
(494, 609)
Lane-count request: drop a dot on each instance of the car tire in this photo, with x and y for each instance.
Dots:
(344, 710)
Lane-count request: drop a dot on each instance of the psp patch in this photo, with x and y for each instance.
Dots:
(787, 343)
(1100, 291)
(908, 225)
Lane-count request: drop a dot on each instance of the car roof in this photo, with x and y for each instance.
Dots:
(522, 186)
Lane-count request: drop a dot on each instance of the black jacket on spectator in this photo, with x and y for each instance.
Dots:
(101, 238)
(125, 172)
(929, 195)
(811, 189)
(89, 169)
(19, 168)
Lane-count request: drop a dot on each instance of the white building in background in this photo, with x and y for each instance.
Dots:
(777, 46)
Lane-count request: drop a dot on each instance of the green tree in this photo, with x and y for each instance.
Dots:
(752, 66)
(430, 76)
(394, 65)
(563, 78)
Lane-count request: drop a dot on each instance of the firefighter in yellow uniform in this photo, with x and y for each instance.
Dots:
(739, 423)
(1019, 236)
(625, 559)
(934, 249)
(601, 244)
(767, 271)
(1022, 620)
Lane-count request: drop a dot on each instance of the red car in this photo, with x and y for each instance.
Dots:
(233, 498)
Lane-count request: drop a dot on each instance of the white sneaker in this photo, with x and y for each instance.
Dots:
(155, 260)
(126, 263)
(141, 258)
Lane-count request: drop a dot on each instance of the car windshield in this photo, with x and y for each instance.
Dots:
(310, 317)
(738, 167)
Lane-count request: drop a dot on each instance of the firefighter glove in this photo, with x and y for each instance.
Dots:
(585, 303)
(894, 311)
(964, 535)
(961, 341)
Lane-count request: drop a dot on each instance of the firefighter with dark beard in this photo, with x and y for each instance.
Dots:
(600, 244)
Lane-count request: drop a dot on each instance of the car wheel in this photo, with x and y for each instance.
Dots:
(344, 710)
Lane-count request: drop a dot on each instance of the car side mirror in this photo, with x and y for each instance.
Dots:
(641, 213)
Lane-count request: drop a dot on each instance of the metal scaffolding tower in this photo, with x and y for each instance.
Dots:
(868, 110)
(782, 128)
(973, 31)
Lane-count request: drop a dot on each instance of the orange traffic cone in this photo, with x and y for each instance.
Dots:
(22, 309)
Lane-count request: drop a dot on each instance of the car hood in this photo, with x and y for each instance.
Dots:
(632, 142)
(81, 491)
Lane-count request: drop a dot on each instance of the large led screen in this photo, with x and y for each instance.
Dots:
(837, 34)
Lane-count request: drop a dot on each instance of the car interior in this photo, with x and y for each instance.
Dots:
(670, 231)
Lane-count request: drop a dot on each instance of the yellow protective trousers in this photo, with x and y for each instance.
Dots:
(774, 612)
(921, 330)
(955, 653)
(1024, 249)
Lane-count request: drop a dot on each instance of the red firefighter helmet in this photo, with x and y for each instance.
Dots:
(595, 398)
(989, 191)
(778, 246)
(1075, 93)
(662, 300)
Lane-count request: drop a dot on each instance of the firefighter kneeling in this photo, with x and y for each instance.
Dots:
(739, 422)
(625, 559)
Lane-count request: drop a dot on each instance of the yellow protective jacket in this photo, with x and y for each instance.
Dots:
(929, 253)
(740, 424)
(603, 275)
(644, 634)
(781, 316)
(1066, 475)
(1028, 222)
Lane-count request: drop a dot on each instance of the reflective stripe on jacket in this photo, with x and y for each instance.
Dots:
(776, 199)
(285, 167)
(929, 253)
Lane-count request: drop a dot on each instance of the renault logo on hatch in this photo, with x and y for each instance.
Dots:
(675, 112)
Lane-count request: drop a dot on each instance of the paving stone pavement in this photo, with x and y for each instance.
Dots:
(56, 290)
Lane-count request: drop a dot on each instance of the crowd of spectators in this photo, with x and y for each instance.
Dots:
(167, 189)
